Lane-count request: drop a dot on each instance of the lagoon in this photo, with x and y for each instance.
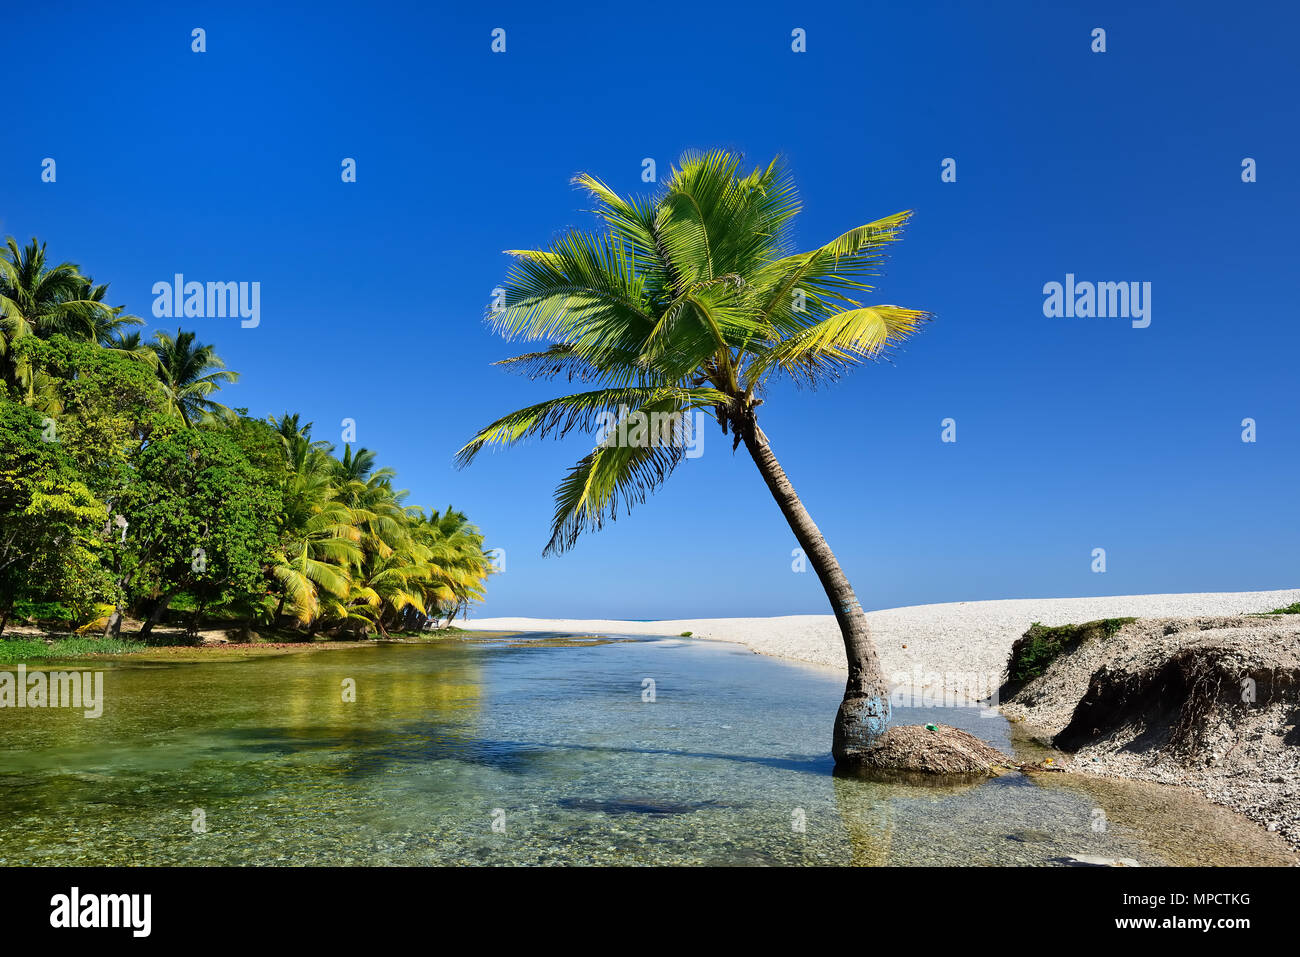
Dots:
(536, 749)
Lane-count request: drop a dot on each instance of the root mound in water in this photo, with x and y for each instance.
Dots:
(915, 754)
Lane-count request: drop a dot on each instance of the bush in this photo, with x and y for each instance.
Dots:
(1040, 646)
(54, 612)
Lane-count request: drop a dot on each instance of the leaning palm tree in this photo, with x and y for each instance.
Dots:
(694, 300)
(190, 372)
(314, 559)
(382, 588)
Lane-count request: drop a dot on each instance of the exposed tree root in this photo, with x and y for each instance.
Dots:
(915, 753)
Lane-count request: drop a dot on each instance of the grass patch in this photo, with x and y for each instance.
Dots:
(24, 649)
(1040, 646)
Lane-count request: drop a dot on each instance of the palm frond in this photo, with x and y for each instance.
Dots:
(582, 411)
(827, 349)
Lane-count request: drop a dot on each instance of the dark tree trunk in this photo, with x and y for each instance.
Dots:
(155, 616)
(864, 713)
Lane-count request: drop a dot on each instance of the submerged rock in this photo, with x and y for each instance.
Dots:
(1092, 860)
(1029, 837)
(648, 806)
(930, 752)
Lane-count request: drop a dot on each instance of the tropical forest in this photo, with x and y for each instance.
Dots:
(132, 500)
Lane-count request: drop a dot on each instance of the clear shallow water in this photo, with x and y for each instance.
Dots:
(552, 740)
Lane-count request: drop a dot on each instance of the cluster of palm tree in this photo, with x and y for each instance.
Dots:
(353, 556)
(42, 300)
(350, 556)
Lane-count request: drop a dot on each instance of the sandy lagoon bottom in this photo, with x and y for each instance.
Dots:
(536, 749)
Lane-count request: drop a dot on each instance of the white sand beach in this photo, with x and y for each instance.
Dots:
(957, 638)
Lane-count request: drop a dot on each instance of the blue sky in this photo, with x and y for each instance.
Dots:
(1072, 434)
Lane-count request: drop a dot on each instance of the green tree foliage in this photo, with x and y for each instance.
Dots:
(200, 518)
(49, 520)
(104, 405)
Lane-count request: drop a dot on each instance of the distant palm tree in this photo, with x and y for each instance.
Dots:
(133, 344)
(694, 300)
(190, 372)
(37, 299)
(370, 494)
(314, 558)
(382, 586)
(355, 466)
(109, 324)
(319, 542)
(458, 564)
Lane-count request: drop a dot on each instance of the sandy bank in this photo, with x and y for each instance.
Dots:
(1208, 703)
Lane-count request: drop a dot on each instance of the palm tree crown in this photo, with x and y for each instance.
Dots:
(690, 300)
(190, 372)
(38, 299)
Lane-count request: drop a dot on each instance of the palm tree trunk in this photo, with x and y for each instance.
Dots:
(864, 713)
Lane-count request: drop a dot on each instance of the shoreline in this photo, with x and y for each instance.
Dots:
(944, 642)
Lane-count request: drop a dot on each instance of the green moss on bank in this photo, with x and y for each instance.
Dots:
(1040, 646)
